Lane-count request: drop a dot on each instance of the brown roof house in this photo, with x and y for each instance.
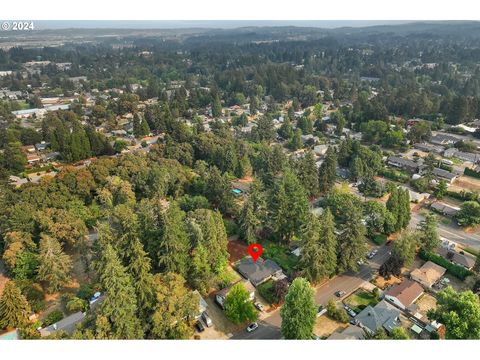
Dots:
(428, 274)
(404, 294)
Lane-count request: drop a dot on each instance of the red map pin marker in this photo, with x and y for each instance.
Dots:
(255, 250)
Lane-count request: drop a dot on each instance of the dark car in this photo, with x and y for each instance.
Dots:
(199, 326)
(340, 293)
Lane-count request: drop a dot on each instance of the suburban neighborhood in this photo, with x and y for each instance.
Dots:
(136, 171)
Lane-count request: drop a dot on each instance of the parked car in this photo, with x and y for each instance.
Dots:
(252, 327)
(199, 326)
(321, 310)
(259, 306)
(207, 319)
(372, 254)
(340, 293)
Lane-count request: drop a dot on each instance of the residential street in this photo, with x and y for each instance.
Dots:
(451, 232)
(269, 328)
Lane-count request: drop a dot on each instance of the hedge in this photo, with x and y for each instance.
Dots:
(456, 270)
(472, 173)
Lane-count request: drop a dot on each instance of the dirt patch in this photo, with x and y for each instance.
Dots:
(425, 303)
(465, 183)
(237, 250)
(326, 326)
(382, 283)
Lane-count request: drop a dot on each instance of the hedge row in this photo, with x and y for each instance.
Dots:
(472, 173)
(456, 270)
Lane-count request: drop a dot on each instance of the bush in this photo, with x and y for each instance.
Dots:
(338, 314)
(85, 292)
(395, 175)
(455, 270)
(472, 173)
(231, 227)
(266, 290)
(53, 317)
(76, 304)
(379, 239)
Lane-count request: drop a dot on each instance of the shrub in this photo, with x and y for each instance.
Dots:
(266, 290)
(85, 292)
(455, 270)
(379, 239)
(231, 227)
(53, 317)
(76, 304)
(336, 313)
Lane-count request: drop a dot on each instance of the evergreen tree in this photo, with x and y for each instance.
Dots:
(213, 237)
(352, 245)
(357, 168)
(248, 223)
(393, 206)
(14, 307)
(328, 171)
(405, 246)
(139, 268)
(312, 258)
(299, 311)
(173, 244)
(328, 240)
(175, 305)
(296, 142)
(289, 206)
(216, 107)
(55, 265)
(429, 238)
(120, 303)
(307, 173)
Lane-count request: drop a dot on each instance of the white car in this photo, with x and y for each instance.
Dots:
(252, 327)
(259, 306)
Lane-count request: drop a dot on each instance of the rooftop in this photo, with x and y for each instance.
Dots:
(406, 292)
(259, 271)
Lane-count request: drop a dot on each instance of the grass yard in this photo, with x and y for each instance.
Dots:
(266, 291)
(360, 299)
(281, 255)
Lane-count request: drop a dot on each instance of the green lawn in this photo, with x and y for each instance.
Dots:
(266, 291)
(360, 300)
(280, 254)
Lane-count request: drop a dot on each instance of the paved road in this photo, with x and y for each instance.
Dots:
(451, 232)
(269, 328)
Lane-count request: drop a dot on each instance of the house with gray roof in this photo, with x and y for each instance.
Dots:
(444, 174)
(465, 260)
(383, 315)
(260, 271)
(67, 324)
(444, 139)
(445, 209)
(402, 163)
(352, 332)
